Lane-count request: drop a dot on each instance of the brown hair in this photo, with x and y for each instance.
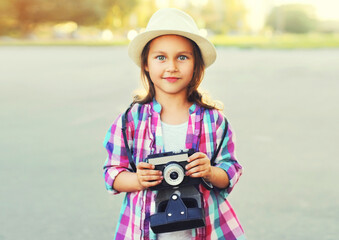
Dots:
(193, 95)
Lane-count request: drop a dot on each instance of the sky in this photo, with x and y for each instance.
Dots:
(258, 9)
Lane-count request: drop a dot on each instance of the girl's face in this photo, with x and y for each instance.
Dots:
(170, 64)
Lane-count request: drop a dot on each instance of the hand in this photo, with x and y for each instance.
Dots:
(147, 176)
(199, 166)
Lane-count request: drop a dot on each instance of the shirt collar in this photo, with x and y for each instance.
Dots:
(157, 107)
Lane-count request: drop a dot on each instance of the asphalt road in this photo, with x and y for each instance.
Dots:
(57, 103)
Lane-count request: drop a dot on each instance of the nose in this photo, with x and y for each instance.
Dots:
(172, 66)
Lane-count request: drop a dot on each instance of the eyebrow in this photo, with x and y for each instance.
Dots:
(179, 53)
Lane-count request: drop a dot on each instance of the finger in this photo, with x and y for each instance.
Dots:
(195, 169)
(196, 156)
(145, 165)
(151, 184)
(201, 161)
(149, 173)
(151, 178)
(146, 181)
(193, 164)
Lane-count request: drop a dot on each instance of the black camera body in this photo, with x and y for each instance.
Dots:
(172, 165)
(178, 202)
(178, 209)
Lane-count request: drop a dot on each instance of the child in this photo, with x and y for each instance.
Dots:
(171, 117)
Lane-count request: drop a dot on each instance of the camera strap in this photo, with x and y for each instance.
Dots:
(130, 152)
(219, 147)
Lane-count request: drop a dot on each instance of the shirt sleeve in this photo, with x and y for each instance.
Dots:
(226, 158)
(117, 160)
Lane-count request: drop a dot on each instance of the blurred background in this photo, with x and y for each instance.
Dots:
(65, 76)
(272, 23)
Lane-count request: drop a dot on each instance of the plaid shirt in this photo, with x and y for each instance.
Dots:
(144, 134)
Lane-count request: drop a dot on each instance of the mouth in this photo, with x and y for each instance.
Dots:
(171, 79)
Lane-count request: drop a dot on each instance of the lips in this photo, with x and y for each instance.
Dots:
(171, 79)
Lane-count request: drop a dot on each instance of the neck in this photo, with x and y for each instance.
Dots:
(174, 108)
(169, 102)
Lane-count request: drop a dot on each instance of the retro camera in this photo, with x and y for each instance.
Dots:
(172, 165)
(178, 201)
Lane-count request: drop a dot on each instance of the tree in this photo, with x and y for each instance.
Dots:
(224, 16)
(235, 13)
(25, 15)
(117, 13)
(6, 22)
(292, 18)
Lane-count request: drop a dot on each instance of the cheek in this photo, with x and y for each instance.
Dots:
(154, 70)
(190, 70)
(153, 73)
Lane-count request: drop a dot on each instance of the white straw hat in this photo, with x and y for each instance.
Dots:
(171, 21)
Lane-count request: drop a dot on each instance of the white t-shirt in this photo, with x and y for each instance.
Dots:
(174, 137)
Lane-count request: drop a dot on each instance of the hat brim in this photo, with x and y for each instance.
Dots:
(137, 45)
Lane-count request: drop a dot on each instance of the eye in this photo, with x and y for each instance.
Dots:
(160, 58)
(182, 57)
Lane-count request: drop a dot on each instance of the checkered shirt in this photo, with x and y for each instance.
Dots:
(144, 134)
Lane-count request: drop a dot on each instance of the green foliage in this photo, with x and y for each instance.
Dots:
(24, 15)
(220, 16)
(117, 13)
(292, 18)
(6, 23)
(282, 41)
(234, 17)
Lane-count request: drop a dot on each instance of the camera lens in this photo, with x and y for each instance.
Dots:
(174, 175)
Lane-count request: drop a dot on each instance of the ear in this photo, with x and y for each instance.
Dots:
(146, 68)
